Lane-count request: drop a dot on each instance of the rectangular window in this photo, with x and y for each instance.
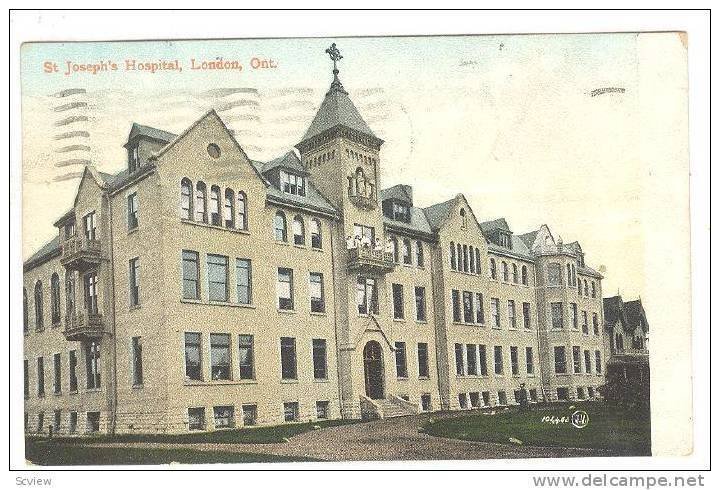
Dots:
(246, 356)
(423, 365)
(92, 364)
(580, 393)
(322, 410)
(367, 296)
(191, 275)
(456, 305)
(137, 361)
(317, 293)
(479, 309)
(224, 417)
(249, 414)
(486, 398)
(400, 360)
(193, 356)
(89, 225)
(134, 268)
(498, 360)
(562, 394)
(292, 411)
(471, 359)
(533, 395)
(573, 315)
(26, 373)
(420, 307)
(462, 400)
(220, 356)
(598, 362)
(426, 402)
(319, 358)
(93, 422)
(57, 375)
(217, 272)
(529, 361)
(577, 367)
(468, 311)
(72, 426)
(243, 278)
(502, 398)
(285, 289)
(556, 310)
(40, 422)
(40, 377)
(474, 399)
(514, 361)
(482, 358)
(364, 233)
(584, 322)
(196, 418)
(398, 302)
(495, 310)
(132, 211)
(91, 290)
(560, 364)
(73, 371)
(459, 360)
(554, 274)
(511, 314)
(596, 327)
(526, 315)
(288, 359)
(588, 363)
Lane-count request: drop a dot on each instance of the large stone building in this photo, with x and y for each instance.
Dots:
(200, 289)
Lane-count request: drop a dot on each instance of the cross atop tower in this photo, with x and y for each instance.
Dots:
(335, 56)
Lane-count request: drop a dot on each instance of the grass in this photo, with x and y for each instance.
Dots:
(254, 435)
(54, 453)
(621, 431)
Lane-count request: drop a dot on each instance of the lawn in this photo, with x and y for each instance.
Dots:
(248, 435)
(54, 453)
(621, 431)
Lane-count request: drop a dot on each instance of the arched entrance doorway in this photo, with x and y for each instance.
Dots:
(374, 378)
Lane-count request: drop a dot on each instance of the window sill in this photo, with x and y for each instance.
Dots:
(74, 392)
(317, 249)
(321, 380)
(318, 313)
(220, 382)
(133, 230)
(289, 381)
(281, 242)
(424, 378)
(216, 303)
(286, 311)
(57, 393)
(467, 324)
(134, 307)
(93, 390)
(300, 245)
(421, 322)
(403, 378)
(399, 320)
(215, 227)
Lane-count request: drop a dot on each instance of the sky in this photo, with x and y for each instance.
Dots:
(509, 121)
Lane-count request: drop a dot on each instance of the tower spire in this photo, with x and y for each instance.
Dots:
(335, 56)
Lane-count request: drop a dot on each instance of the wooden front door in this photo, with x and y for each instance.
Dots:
(374, 379)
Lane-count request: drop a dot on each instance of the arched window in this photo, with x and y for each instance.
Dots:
(592, 289)
(298, 231)
(505, 271)
(574, 276)
(25, 310)
(215, 205)
(453, 266)
(569, 275)
(201, 202)
(55, 298)
(554, 274)
(407, 252)
(493, 269)
(69, 293)
(394, 249)
(619, 342)
(524, 275)
(419, 254)
(463, 219)
(515, 273)
(585, 285)
(472, 259)
(465, 259)
(315, 233)
(478, 267)
(241, 222)
(459, 257)
(280, 226)
(229, 208)
(186, 199)
(38, 306)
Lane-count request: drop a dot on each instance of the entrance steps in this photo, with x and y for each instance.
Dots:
(384, 408)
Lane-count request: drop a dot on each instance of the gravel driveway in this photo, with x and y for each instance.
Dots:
(389, 439)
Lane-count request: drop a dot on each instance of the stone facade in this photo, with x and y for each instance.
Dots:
(433, 310)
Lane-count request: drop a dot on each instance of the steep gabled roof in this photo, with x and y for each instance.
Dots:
(636, 314)
(150, 132)
(288, 161)
(337, 109)
(529, 238)
(438, 213)
(47, 251)
(496, 224)
(613, 310)
(400, 192)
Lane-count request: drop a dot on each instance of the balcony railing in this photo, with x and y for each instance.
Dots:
(370, 260)
(83, 325)
(80, 253)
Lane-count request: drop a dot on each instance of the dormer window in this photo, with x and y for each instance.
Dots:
(504, 239)
(292, 183)
(400, 212)
(133, 159)
(69, 230)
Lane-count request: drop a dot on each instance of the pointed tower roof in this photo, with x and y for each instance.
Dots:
(337, 110)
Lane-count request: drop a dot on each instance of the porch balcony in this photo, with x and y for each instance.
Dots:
(83, 325)
(366, 259)
(80, 253)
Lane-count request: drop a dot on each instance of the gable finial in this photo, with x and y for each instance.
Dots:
(335, 56)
